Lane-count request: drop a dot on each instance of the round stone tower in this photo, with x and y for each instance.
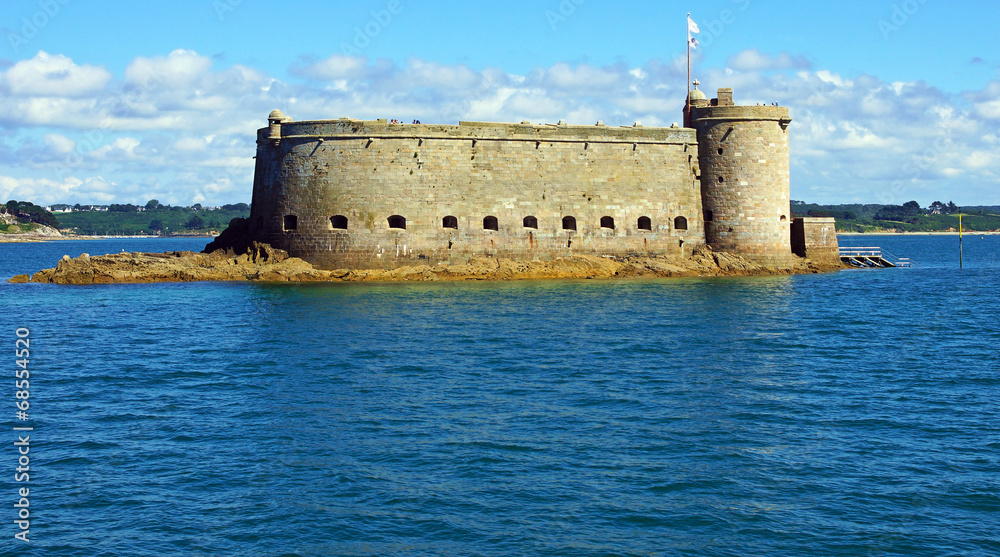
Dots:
(743, 157)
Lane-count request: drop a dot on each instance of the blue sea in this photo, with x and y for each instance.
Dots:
(851, 413)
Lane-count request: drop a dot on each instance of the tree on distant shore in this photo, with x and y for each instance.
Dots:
(902, 212)
(27, 211)
(156, 225)
(938, 208)
(152, 205)
(839, 215)
(194, 223)
(126, 208)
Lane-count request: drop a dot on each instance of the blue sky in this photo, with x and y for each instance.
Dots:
(114, 101)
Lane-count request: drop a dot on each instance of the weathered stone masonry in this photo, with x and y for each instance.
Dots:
(369, 194)
(745, 177)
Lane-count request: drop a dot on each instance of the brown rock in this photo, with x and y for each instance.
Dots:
(263, 263)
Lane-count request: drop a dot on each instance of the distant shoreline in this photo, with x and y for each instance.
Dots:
(955, 233)
(25, 239)
(17, 238)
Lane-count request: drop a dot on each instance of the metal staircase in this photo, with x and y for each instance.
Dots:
(872, 257)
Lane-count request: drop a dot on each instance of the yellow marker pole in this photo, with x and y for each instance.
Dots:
(960, 255)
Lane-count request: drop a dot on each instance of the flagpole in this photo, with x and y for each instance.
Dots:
(687, 99)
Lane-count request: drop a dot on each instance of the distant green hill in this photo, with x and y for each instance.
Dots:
(128, 220)
(909, 217)
(153, 218)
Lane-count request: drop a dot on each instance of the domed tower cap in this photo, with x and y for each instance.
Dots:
(277, 115)
(697, 95)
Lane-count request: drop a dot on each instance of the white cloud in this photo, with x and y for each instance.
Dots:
(180, 68)
(44, 191)
(535, 106)
(835, 79)
(57, 76)
(122, 147)
(848, 135)
(419, 73)
(333, 68)
(989, 109)
(51, 111)
(583, 77)
(60, 144)
(982, 159)
(753, 60)
(191, 144)
(178, 129)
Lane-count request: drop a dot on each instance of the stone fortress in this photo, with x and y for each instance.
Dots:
(377, 195)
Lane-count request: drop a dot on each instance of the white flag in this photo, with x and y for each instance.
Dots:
(692, 28)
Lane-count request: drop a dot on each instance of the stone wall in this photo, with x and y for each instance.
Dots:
(815, 238)
(335, 192)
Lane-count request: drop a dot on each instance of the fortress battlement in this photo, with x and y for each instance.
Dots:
(346, 128)
(738, 113)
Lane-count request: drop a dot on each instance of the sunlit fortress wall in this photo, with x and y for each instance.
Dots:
(336, 192)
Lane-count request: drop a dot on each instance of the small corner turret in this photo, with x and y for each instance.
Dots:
(274, 120)
(696, 99)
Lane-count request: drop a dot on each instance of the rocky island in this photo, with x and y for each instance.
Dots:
(263, 263)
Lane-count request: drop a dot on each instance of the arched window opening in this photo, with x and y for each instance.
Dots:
(721, 179)
(680, 223)
(291, 222)
(490, 223)
(338, 222)
(645, 223)
(783, 218)
(530, 222)
(450, 222)
(397, 221)
(608, 222)
(709, 215)
(569, 223)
